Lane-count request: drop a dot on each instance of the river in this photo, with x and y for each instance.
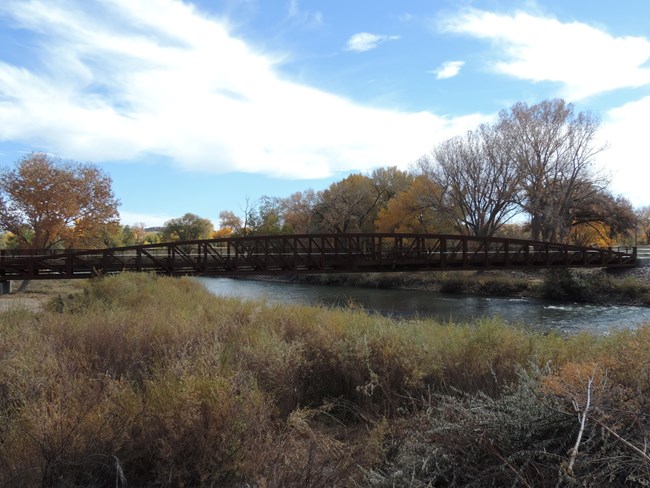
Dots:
(533, 313)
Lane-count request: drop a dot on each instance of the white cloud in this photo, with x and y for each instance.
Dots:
(584, 59)
(365, 41)
(119, 80)
(625, 129)
(133, 218)
(448, 69)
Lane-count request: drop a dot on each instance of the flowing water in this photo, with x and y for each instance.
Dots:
(405, 304)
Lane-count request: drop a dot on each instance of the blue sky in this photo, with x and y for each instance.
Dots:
(197, 106)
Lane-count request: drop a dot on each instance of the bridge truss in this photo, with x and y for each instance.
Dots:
(309, 253)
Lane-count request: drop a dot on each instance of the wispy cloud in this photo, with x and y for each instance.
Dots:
(121, 79)
(585, 60)
(312, 19)
(365, 41)
(405, 17)
(448, 69)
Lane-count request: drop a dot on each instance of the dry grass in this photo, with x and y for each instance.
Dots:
(157, 382)
(38, 294)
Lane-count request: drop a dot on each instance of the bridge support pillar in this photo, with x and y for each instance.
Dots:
(5, 287)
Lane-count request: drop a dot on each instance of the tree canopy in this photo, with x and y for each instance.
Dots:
(46, 202)
(554, 150)
(186, 228)
(478, 182)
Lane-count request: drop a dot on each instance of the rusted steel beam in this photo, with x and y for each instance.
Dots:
(310, 253)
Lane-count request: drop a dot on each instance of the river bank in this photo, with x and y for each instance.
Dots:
(38, 294)
(598, 286)
(116, 385)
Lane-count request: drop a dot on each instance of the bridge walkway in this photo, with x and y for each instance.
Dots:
(309, 253)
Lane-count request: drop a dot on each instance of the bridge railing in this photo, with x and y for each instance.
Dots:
(310, 253)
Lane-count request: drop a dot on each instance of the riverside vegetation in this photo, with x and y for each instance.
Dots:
(577, 285)
(155, 382)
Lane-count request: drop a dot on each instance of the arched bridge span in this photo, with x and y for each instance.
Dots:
(310, 253)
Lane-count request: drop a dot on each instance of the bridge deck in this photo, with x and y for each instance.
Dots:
(309, 253)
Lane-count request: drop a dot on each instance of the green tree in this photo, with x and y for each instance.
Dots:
(133, 234)
(269, 216)
(187, 228)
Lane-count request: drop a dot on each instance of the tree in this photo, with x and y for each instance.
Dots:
(133, 234)
(412, 210)
(553, 149)
(391, 181)
(229, 224)
(349, 205)
(269, 216)
(298, 212)
(266, 216)
(602, 219)
(138, 232)
(478, 181)
(189, 227)
(251, 218)
(643, 223)
(353, 204)
(46, 202)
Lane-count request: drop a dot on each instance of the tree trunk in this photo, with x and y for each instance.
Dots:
(23, 286)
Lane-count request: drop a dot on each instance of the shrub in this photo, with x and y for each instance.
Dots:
(476, 440)
(126, 379)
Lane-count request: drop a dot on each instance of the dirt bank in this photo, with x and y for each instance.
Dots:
(38, 294)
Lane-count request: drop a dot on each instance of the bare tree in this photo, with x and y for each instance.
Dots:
(643, 222)
(479, 182)
(250, 216)
(298, 211)
(554, 151)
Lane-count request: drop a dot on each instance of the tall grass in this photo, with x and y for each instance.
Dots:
(156, 382)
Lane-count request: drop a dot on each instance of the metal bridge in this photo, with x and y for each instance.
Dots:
(309, 253)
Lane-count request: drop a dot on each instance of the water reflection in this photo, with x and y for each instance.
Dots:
(533, 313)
